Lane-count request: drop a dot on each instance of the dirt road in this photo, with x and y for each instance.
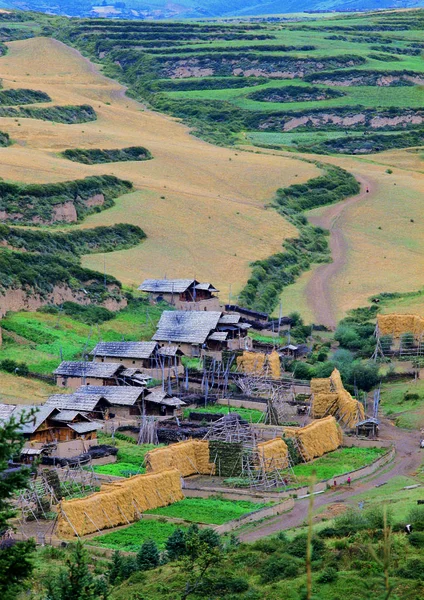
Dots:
(318, 289)
(406, 462)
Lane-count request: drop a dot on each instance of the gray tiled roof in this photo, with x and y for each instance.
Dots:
(76, 402)
(168, 351)
(192, 327)
(218, 336)
(125, 349)
(158, 396)
(87, 369)
(86, 426)
(66, 416)
(42, 413)
(166, 286)
(115, 394)
(206, 286)
(6, 410)
(229, 319)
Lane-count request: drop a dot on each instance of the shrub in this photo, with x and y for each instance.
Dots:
(328, 575)
(11, 366)
(416, 518)
(410, 396)
(416, 539)
(176, 544)
(297, 547)
(280, 567)
(412, 569)
(148, 556)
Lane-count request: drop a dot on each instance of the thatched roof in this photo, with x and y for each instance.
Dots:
(125, 349)
(192, 327)
(88, 369)
(116, 395)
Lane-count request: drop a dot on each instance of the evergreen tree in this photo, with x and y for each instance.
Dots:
(148, 556)
(76, 582)
(116, 568)
(176, 544)
(15, 557)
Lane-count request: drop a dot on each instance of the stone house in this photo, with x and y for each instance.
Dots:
(183, 294)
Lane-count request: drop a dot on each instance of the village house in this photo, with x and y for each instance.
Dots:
(66, 433)
(202, 333)
(131, 402)
(148, 357)
(184, 294)
(73, 374)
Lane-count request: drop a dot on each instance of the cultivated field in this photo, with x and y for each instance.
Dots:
(202, 207)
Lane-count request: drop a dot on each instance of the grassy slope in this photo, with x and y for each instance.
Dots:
(190, 192)
(71, 338)
(408, 413)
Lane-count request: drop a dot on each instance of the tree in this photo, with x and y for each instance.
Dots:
(76, 582)
(203, 551)
(176, 544)
(148, 556)
(15, 557)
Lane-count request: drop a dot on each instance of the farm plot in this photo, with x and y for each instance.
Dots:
(209, 511)
(130, 457)
(250, 414)
(130, 538)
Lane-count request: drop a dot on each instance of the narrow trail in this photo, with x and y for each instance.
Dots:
(318, 289)
(406, 462)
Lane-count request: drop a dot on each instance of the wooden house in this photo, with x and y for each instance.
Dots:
(73, 374)
(148, 357)
(71, 432)
(131, 402)
(202, 333)
(184, 294)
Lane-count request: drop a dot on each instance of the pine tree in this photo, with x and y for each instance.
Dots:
(116, 568)
(176, 544)
(148, 556)
(15, 557)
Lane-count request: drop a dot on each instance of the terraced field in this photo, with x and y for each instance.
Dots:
(346, 90)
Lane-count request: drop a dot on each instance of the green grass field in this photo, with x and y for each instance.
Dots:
(408, 413)
(209, 511)
(130, 457)
(250, 414)
(336, 463)
(43, 340)
(131, 538)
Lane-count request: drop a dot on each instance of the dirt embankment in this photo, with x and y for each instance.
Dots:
(19, 299)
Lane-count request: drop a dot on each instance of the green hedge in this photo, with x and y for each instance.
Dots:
(58, 114)
(34, 202)
(271, 275)
(22, 96)
(98, 156)
(295, 93)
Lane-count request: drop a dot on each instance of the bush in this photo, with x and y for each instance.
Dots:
(416, 518)
(416, 539)
(328, 575)
(297, 547)
(148, 556)
(280, 567)
(413, 569)
(11, 366)
(410, 396)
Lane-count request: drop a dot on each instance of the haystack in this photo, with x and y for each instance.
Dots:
(396, 325)
(118, 503)
(331, 398)
(189, 458)
(258, 363)
(273, 455)
(319, 437)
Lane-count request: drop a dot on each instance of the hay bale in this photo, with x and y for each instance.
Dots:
(273, 455)
(331, 398)
(396, 325)
(319, 437)
(119, 502)
(189, 458)
(252, 363)
(274, 365)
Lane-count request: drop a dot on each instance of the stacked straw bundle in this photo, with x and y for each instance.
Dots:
(118, 503)
(330, 397)
(273, 455)
(319, 437)
(396, 325)
(258, 363)
(189, 458)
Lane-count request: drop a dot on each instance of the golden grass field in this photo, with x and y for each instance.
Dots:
(202, 207)
(22, 390)
(384, 248)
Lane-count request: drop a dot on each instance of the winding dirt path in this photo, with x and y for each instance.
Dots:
(318, 289)
(406, 462)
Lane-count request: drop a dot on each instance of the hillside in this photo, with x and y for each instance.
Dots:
(160, 9)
